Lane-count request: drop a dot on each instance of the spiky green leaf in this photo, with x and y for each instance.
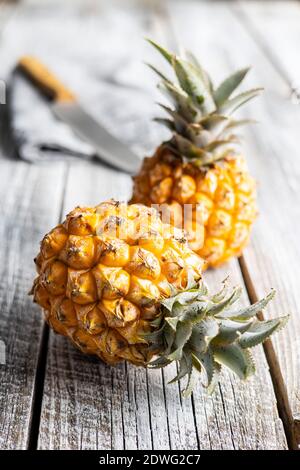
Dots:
(172, 322)
(236, 358)
(205, 76)
(194, 312)
(227, 87)
(183, 333)
(230, 331)
(233, 104)
(159, 73)
(227, 302)
(192, 378)
(260, 331)
(233, 124)
(180, 99)
(249, 311)
(180, 124)
(211, 367)
(185, 366)
(167, 55)
(192, 83)
(211, 333)
(159, 362)
(168, 123)
(221, 294)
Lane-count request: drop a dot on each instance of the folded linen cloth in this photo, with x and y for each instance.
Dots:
(108, 78)
(37, 134)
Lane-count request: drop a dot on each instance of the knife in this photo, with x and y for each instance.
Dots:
(66, 107)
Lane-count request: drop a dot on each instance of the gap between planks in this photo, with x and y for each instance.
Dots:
(283, 403)
(40, 374)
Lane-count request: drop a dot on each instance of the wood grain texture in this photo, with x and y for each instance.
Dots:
(26, 210)
(24, 215)
(86, 404)
(275, 28)
(276, 238)
(89, 405)
(272, 257)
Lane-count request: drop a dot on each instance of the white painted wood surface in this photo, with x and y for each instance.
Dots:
(273, 156)
(85, 404)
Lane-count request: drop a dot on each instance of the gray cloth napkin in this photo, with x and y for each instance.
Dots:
(36, 133)
(121, 108)
(110, 80)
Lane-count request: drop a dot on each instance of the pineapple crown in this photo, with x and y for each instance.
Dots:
(201, 120)
(201, 332)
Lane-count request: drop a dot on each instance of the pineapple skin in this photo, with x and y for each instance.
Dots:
(102, 274)
(222, 201)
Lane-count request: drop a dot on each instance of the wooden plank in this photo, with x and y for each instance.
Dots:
(26, 211)
(29, 204)
(273, 253)
(220, 57)
(285, 19)
(81, 406)
(275, 245)
(275, 27)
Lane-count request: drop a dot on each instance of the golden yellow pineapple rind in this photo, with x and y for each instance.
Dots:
(102, 274)
(215, 206)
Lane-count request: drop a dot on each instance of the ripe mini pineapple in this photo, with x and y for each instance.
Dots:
(122, 285)
(201, 165)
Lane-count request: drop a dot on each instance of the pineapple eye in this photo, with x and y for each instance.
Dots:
(54, 242)
(203, 208)
(82, 222)
(112, 283)
(54, 277)
(239, 235)
(41, 296)
(79, 252)
(116, 226)
(195, 234)
(81, 287)
(219, 223)
(84, 342)
(152, 241)
(224, 197)
(213, 249)
(143, 263)
(207, 183)
(119, 312)
(64, 311)
(162, 191)
(110, 343)
(114, 253)
(142, 292)
(184, 188)
(94, 321)
(111, 207)
(134, 332)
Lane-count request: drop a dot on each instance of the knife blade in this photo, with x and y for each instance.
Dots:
(66, 107)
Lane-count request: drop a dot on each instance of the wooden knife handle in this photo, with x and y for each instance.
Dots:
(45, 80)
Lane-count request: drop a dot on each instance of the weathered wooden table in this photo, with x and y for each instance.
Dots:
(51, 396)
